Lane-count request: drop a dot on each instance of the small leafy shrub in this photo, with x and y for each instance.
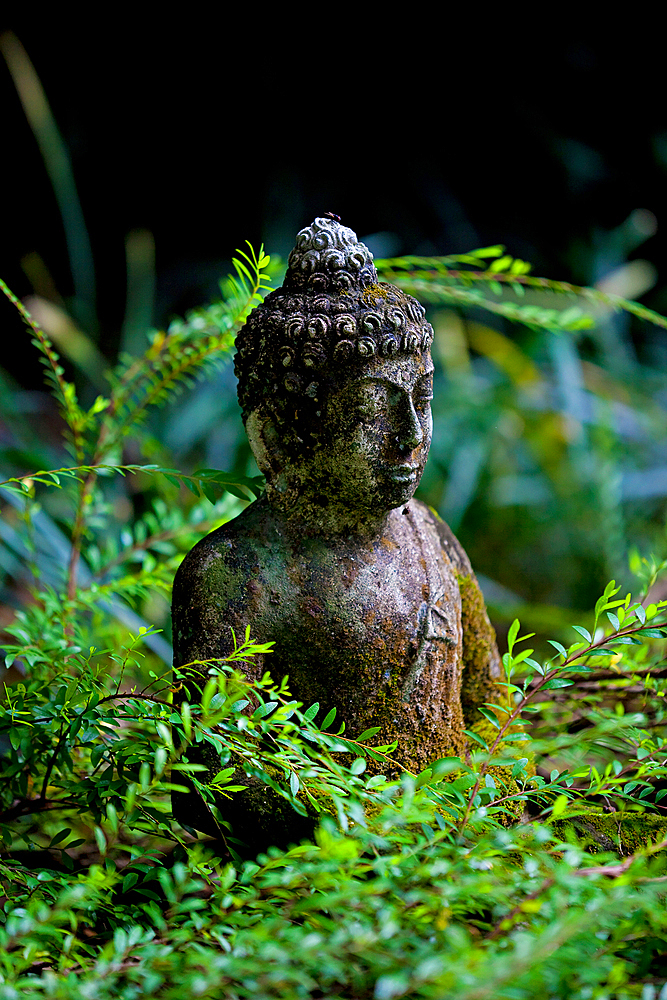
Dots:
(425, 886)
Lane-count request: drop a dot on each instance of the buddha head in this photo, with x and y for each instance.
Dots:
(335, 379)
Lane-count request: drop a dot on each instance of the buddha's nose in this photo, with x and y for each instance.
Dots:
(410, 433)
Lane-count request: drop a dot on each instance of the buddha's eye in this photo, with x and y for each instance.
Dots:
(370, 401)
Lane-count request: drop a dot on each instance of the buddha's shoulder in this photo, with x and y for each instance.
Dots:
(428, 522)
(239, 543)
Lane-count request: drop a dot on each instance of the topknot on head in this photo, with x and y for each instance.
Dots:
(328, 257)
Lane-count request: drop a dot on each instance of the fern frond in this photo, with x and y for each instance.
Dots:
(571, 319)
(159, 577)
(164, 532)
(185, 352)
(434, 279)
(64, 391)
(201, 483)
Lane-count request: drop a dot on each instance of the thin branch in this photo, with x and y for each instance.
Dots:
(52, 760)
(613, 871)
(26, 807)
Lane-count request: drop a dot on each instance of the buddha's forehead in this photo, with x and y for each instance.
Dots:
(402, 371)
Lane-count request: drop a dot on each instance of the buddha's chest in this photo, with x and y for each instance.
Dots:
(361, 624)
(355, 596)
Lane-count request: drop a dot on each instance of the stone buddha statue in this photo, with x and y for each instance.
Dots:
(368, 596)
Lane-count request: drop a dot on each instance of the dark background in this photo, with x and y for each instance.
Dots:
(206, 133)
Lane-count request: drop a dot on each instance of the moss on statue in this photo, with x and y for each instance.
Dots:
(479, 643)
(623, 833)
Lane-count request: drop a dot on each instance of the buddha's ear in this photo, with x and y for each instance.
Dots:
(266, 442)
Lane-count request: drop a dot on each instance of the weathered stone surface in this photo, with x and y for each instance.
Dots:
(369, 598)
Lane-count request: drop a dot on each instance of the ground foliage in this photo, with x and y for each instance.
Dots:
(423, 886)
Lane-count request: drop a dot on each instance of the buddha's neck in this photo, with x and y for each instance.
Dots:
(308, 515)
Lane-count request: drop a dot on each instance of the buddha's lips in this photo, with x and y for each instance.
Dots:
(403, 473)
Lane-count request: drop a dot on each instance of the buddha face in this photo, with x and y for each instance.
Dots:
(373, 434)
(377, 430)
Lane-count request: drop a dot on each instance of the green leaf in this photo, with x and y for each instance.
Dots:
(112, 816)
(495, 251)
(523, 655)
(191, 485)
(490, 716)
(583, 632)
(476, 737)
(391, 985)
(222, 775)
(186, 718)
(328, 719)
(368, 733)
(240, 266)
(501, 264)
(559, 806)
(342, 745)
(556, 682)
(101, 840)
(501, 708)
(265, 709)
(60, 836)
(208, 492)
(129, 881)
(311, 712)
